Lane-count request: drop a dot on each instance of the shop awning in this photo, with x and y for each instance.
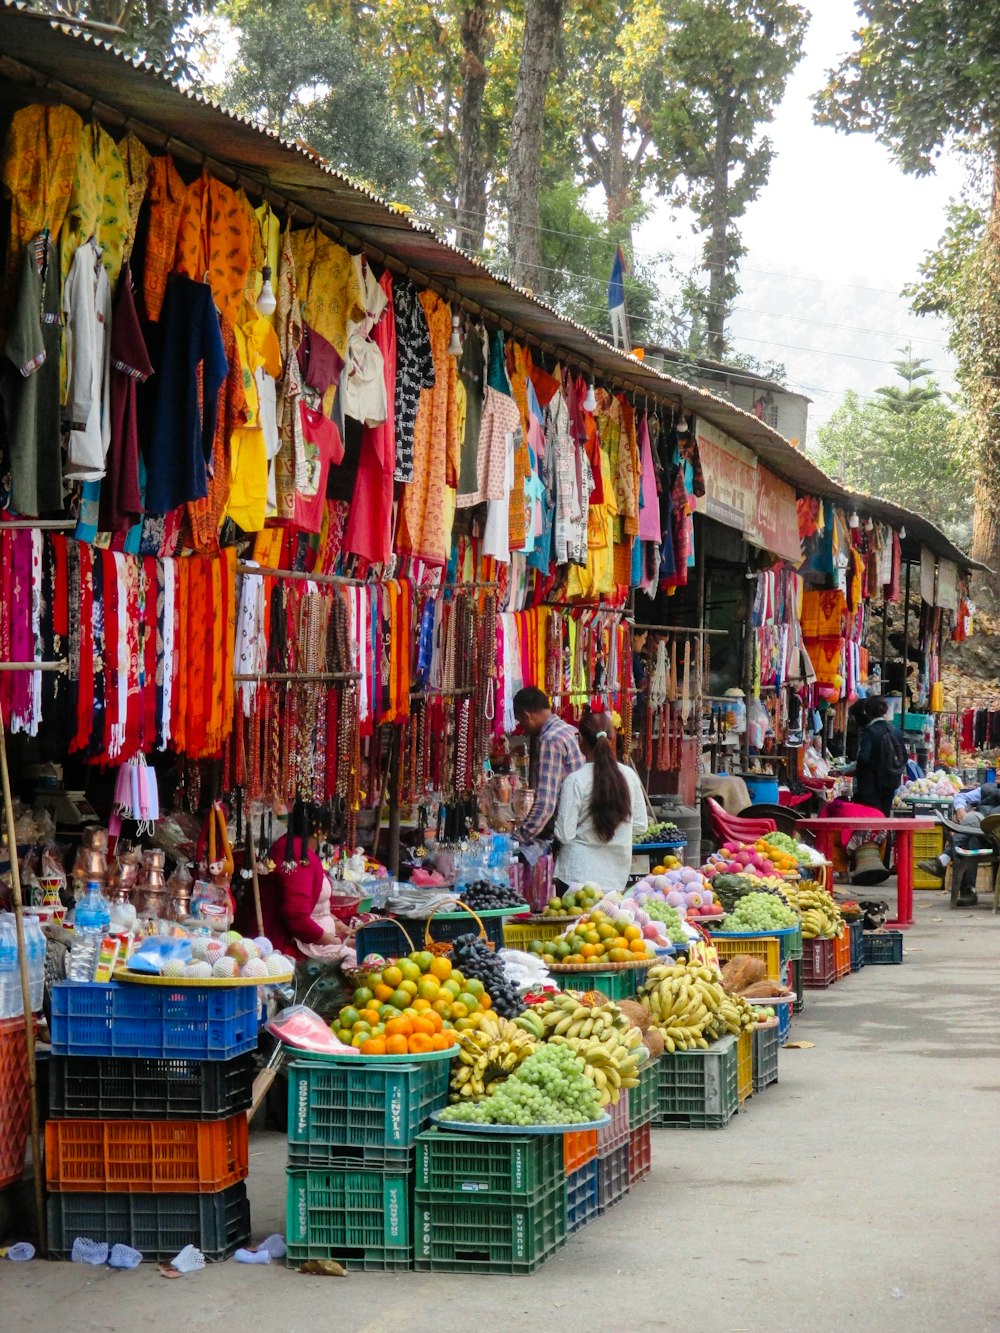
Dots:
(74, 66)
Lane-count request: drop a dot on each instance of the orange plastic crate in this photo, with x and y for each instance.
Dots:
(842, 955)
(579, 1148)
(14, 1099)
(146, 1156)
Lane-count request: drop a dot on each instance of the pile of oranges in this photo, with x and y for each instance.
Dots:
(413, 1005)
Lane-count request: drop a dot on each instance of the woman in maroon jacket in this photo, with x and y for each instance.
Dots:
(295, 897)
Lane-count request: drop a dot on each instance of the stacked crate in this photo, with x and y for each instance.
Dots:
(580, 1168)
(489, 1204)
(642, 1107)
(613, 1146)
(766, 1044)
(15, 1099)
(352, 1131)
(146, 1142)
(699, 1089)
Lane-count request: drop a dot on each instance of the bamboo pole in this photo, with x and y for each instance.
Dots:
(251, 848)
(29, 1025)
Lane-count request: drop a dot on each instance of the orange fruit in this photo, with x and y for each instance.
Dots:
(420, 1006)
(442, 1006)
(373, 1046)
(370, 1016)
(392, 976)
(440, 968)
(428, 988)
(632, 933)
(420, 1043)
(589, 950)
(440, 1042)
(486, 1000)
(398, 1027)
(383, 992)
(409, 986)
(401, 999)
(459, 1010)
(434, 1019)
(423, 1026)
(638, 947)
(395, 1046)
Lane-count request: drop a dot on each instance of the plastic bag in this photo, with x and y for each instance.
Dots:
(154, 953)
(758, 723)
(303, 1028)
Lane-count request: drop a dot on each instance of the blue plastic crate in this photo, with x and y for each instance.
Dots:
(857, 929)
(883, 946)
(153, 1022)
(581, 1188)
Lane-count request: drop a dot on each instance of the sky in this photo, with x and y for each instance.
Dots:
(834, 236)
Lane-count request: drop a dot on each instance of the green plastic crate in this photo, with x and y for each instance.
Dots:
(363, 1105)
(699, 1089)
(616, 985)
(481, 1237)
(501, 1169)
(643, 1099)
(796, 982)
(359, 1218)
(791, 945)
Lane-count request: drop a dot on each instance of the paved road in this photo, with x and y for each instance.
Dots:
(860, 1193)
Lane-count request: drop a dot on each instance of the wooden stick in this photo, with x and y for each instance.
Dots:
(29, 1022)
(253, 875)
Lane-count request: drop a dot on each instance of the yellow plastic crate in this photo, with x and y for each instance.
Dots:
(517, 936)
(744, 1065)
(757, 946)
(926, 845)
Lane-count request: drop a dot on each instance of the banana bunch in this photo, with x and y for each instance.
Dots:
(684, 1002)
(733, 1015)
(565, 1016)
(611, 1063)
(488, 1054)
(821, 918)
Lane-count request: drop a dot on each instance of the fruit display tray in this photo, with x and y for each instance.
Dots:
(466, 1127)
(336, 1058)
(198, 983)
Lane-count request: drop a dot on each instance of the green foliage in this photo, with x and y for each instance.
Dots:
(168, 33)
(917, 457)
(922, 76)
(915, 395)
(729, 62)
(304, 79)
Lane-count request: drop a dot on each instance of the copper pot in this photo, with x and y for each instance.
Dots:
(91, 860)
(151, 888)
(123, 875)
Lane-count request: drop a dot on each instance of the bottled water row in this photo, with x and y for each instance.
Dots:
(11, 1000)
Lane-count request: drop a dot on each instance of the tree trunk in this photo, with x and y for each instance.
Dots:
(473, 167)
(542, 21)
(715, 322)
(618, 186)
(985, 397)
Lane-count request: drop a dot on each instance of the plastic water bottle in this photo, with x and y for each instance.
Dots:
(10, 980)
(93, 916)
(35, 941)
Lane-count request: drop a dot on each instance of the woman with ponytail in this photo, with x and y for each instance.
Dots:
(602, 811)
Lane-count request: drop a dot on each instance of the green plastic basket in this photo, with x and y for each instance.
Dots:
(363, 1105)
(345, 1215)
(499, 1170)
(643, 1099)
(699, 1089)
(482, 1237)
(616, 985)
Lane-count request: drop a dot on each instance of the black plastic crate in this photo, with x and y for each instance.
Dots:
(391, 938)
(766, 1044)
(884, 946)
(157, 1225)
(857, 929)
(582, 1196)
(344, 1157)
(613, 1181)
(112, 1088)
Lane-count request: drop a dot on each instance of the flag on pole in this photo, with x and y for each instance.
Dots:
(616, 300)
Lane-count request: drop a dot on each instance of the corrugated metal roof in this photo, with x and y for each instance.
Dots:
(74, 63)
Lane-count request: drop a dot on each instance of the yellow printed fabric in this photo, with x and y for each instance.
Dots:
(37, 171)
(257, 345)
(98, 204)
(329, 288)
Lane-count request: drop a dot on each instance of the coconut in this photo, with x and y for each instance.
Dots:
(653, 1042)
(637, 1014)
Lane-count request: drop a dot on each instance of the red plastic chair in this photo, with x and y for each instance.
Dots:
(734, 828)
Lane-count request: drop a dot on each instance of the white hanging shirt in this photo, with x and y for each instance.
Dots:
(87, 314)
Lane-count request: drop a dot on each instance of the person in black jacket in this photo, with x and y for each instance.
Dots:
(881, 759)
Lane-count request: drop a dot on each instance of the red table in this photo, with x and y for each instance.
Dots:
(904, 829)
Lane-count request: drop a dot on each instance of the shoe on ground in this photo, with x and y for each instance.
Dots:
(967, 899)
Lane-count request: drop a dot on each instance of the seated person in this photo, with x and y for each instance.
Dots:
(969, 808)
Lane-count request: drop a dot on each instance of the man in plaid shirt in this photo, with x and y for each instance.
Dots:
(555, 753)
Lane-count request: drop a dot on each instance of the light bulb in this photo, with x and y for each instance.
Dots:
(869, 525)
(267, 302)
(455, 346)
(853, 521)
(590, 401)
(682, 424)
(902, 534)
